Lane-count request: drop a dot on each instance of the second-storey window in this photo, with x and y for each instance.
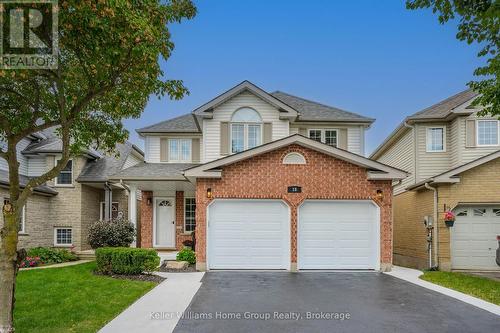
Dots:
(327, 136)
(246, 130)
(179, 150)
(66, 175)
(435, 139)
(487, 132)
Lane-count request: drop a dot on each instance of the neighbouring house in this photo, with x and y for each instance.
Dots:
(59, 213)
(453, 159)
(266, 181)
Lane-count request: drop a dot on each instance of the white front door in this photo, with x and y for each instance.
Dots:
(338, 234)
(164, 222)
(474, 238)
(248, 234)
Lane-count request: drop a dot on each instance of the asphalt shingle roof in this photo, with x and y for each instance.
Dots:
(154, 171)
(23, 180)
(445, 107)
(187, 123)
(313, 111)
(100, 169)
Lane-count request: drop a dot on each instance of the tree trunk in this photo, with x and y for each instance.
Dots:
(8, 270)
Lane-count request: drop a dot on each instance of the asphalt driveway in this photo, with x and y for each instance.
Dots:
(339, 302)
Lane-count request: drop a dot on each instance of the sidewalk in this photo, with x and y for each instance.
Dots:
(160, 309)
(64, 264)
(412, 275)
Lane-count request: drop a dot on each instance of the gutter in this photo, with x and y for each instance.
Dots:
(436, 228)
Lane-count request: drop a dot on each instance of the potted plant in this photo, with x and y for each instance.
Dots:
(449, 218)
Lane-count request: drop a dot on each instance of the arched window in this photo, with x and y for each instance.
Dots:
(246, 115)
(246, 129)
(294, 158)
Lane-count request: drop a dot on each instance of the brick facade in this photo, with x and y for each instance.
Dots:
(146, 233)
(478, 185)
(146, 239)
(322, 177)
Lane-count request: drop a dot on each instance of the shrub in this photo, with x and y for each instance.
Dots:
(30, 262)
(48, 255)
(186, 254)
(126, 260)
(114, 233)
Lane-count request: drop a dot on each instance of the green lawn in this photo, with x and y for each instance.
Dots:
(480, 287)
(71, 299)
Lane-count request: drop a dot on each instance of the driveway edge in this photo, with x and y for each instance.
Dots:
(412, 275)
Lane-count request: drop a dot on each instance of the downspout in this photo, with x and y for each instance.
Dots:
(435, 229)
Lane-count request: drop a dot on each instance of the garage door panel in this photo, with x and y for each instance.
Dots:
(473, 239)
(335, 234)
(248, 234)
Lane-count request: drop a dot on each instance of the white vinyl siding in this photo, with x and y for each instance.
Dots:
(224, 112)
(131, 161)
(152, 149)
(454, 147)
(430, 163)
(36, 166)
(23, 160)
(400, 155)
(355, 134)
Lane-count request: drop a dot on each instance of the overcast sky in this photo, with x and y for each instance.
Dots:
(375, 58)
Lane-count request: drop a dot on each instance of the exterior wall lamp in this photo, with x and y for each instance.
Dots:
(380, 194)
(209, 193)
(149, 201)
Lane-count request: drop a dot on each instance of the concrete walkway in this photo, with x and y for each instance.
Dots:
(412, 275)
(161, 308)
(64, 264)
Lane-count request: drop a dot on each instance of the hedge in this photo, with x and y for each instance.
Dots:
(126, 260)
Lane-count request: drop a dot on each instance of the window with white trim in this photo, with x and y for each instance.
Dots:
(65, 177)
(487, 132)
(114, 210)
(436, 138)
(189, 214)
(294, 158)
(179, 150)
(63, 236)
(326, 136)
(21, 228)
(246, 130)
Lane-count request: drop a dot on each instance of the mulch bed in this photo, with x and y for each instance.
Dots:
(138, 277)
(190, 268)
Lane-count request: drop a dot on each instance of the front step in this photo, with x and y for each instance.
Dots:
(86, 255)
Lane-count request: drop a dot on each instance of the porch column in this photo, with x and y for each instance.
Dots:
(108, 199)
(132, 210)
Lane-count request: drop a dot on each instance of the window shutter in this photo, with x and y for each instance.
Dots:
(470, 133)
(195, 150)
(342, 139)
(268, 132)
(224, 138)
(163, 150)
(303, 131)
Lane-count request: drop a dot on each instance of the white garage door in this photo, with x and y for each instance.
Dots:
(338, 235)
(473, 238)
(248, 234)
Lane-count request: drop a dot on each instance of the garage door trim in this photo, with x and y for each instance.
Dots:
(377, 227)
(287, 265)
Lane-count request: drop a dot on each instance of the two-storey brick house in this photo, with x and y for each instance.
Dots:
(266, 181)
(452, 156)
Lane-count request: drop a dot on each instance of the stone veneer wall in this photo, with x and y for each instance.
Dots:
(322, 177)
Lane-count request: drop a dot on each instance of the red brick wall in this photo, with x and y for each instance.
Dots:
(322, 177)
(146, 220)
(180, 236)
